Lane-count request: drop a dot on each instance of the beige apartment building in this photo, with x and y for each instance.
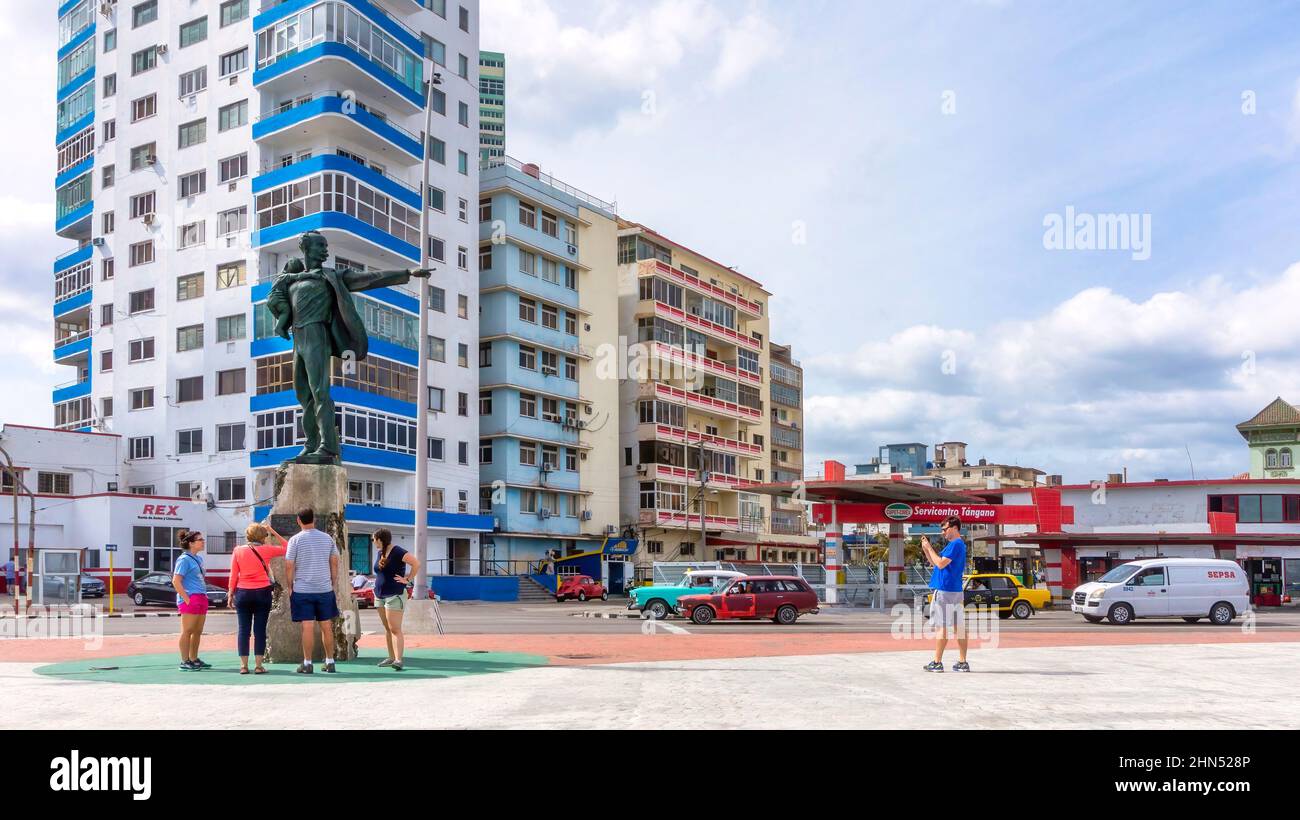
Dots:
(951, 465)
(788, 541)
(696, 394)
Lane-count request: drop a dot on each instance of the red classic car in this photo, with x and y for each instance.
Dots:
(364, 594)
(581, 587)
(782, 598)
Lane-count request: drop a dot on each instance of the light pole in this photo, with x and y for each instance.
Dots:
(704, 478)
(421, 521)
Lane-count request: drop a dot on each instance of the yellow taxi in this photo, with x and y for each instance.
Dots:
(1004, 593)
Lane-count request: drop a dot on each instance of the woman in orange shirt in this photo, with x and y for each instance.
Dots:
(250, 590)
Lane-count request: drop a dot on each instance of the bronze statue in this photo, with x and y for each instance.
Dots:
(315, 302)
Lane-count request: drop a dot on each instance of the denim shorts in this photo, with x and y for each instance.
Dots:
(312, 606)
(397, 602)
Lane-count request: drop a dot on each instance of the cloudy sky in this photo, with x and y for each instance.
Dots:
(886, 170)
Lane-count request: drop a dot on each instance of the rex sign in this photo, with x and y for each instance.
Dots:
(933, 513)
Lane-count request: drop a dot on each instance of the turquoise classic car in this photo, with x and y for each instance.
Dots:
(659, 601)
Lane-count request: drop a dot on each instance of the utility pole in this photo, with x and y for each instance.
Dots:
(421, 506)
(704, 479)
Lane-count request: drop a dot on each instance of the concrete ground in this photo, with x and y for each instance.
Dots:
(1152, 686)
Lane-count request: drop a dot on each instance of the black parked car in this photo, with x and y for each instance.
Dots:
(157, 589)
(91, 587)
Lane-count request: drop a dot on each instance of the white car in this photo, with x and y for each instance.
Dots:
(1187, 588)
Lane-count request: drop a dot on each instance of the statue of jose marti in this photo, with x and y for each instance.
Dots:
(315, 303)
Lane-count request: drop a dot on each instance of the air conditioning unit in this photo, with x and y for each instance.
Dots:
(152, 159)
(148, 219)
(107, 7)
(162, 48)
(543, 513)
(573, 250)
(234, 80)
(234, 186)
(98, 241)
(610, 529)
(642, 469)
(580, 424)
(112, 485)
(586, 515)
(550, 371)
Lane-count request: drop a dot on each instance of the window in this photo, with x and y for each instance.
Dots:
(462, 453)
(142, 204)
(231, 382)
(462, 66)
(141, 398)
(192, 184)
(230, 328)
(192, 82)
(437, 299)
(435, 449)
(528, 263)
(110, 130)
(189, 287)
(144, 60)
(187, 236)
(462, 257)
(527, 358)
(462, 162)
(109, 176)
(106, 314)
(144, 108)
(195, 31)
(110, 40)
(140, 447)
(528, 454)
(230, 489)
(437, 150)
(528, 405)
(550, 317)
(189, 337)
(233, 167)
(485, 258)
(106, 361)
(232, 221)
(189, 389)
(462, 306)
(234, 62)
(485, 403)
(435, 498)
(485, 354)
(464, 19)
(437, 249)
(110, 86)
(106, 268)
(106, 407)
(142, 156)
(109, 222)
(53, 483)
(193, 133)
(437, 199)
(528, 311)
(230, 437)
(144, 13)
(551, 410)
(462, 355)
(437, 349)
(550, 225)
(141, 301)
(485, 210)
(485, 457)
(230, 275)
(527, 215)
(462, 210)
(463, 114)
(232, 116)
(233, 12)
(189, 442)
(436, 399)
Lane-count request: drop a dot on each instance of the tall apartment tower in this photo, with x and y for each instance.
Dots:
(492, 105)
(789, 517)
(548, 411)
(695, 427)
(197, 141)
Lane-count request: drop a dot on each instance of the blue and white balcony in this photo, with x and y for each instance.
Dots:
(342, 199)
(344, 43)
(74, 207)
(73, 276)
(338, 118)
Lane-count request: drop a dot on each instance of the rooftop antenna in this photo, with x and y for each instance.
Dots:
(1189, 460)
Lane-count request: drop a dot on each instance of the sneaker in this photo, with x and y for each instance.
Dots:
(386, 662)
(329, 667)
(189, 666)
(934, 666)
(202, 664)
(397, 666)
(304, 669)
(961, 666)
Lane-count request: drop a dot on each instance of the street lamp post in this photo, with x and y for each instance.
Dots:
(421, 505)
(22, 602)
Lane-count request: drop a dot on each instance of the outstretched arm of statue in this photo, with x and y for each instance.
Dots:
(369, 280)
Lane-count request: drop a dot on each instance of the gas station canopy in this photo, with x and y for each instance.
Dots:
(1140, 539)
(867, 491)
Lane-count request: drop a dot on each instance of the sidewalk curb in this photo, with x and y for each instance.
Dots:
(607, 615)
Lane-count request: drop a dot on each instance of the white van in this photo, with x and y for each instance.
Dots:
(1187, 588)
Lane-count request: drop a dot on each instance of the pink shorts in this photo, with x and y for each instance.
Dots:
(198, 605)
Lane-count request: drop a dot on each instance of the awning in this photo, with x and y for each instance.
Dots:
(1079, 539)
(872, 491)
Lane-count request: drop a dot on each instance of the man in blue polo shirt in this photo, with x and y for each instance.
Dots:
(947, 609)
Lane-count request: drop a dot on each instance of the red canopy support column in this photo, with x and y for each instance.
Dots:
(834, 542)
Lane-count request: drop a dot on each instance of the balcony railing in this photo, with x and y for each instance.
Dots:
(70, 338)
(333, 95)
(266, 169)
(727, 369)
(653, 266)
(700, 401)
(683, 436)
(714, 329)
(546, 179)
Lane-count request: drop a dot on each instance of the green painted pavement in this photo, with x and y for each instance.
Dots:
(419, 664)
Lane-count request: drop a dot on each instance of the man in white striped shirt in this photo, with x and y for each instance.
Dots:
(312, 564)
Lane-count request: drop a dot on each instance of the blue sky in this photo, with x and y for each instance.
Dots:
(733, 126)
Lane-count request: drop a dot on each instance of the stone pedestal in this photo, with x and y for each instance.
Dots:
(421, 617)
(323, 488)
